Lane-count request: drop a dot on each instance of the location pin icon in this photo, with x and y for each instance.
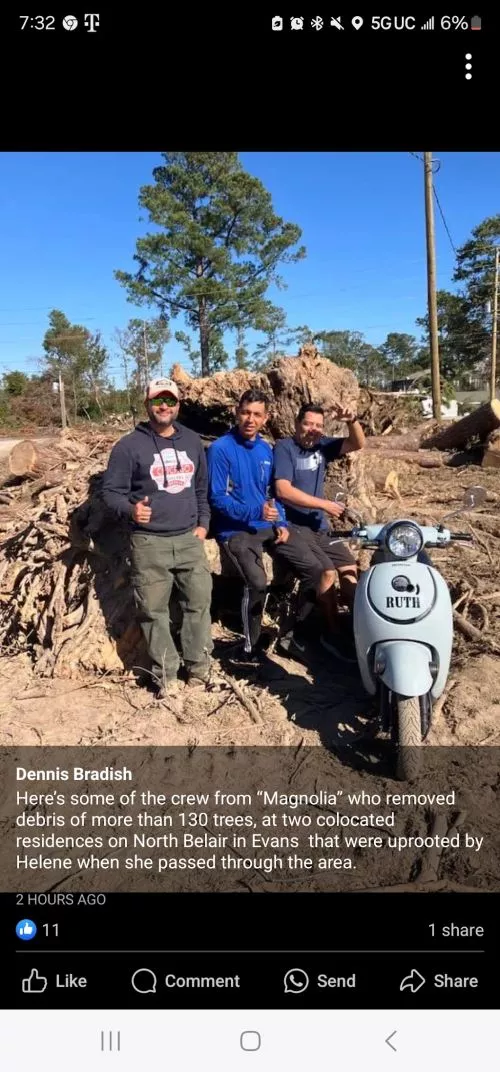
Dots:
(357, 22)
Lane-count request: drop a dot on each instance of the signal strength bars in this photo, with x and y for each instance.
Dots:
(429, 25)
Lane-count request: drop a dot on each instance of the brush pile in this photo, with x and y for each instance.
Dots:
(65, 591)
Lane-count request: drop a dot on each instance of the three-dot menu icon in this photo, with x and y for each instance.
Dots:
(468, 66)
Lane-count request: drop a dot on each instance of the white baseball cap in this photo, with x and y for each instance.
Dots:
(160, 387)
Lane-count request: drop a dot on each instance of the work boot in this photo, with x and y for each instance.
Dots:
(194, 681)
(168, 689)
(198, 676)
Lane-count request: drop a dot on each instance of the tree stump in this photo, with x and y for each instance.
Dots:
(208, 404)
(476, 425)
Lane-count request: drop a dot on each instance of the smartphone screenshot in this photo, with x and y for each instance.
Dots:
(249, 541)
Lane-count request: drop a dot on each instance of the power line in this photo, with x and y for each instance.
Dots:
(444, 222)
(437, 164)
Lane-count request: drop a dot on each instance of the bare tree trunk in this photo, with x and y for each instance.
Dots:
(204, 338)
(125, 372)
(95, 390)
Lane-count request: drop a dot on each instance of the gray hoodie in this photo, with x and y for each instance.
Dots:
(170, 471)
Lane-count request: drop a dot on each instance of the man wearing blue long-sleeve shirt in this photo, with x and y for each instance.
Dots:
(247, 521)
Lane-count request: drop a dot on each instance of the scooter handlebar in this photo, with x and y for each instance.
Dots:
(370, 534)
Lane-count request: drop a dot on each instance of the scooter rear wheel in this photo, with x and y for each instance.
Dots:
(409, 760)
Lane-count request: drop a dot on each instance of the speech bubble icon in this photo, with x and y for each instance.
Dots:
(144, 981)
(296, 981)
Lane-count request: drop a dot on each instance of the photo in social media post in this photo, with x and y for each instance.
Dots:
(250, 524)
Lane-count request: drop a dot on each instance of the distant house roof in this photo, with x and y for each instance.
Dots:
(413, 376)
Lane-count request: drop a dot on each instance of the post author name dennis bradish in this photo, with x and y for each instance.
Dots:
(77, 774)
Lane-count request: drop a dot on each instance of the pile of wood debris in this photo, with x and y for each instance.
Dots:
(65, 593)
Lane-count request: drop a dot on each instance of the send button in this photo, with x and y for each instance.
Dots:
(337, 981)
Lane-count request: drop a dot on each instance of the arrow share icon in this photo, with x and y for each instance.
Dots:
(389, 1043)
(413, 981)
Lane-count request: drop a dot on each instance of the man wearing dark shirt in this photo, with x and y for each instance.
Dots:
(157, 480)
(299, 472)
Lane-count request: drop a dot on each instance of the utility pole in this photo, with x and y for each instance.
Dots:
(62, 400)
(494, 333)
(431, 286)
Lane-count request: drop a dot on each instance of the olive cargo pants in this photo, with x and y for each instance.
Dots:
(159, 563)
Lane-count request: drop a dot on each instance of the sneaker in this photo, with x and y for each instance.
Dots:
(292, 647)
(239, 654)
(340, 645)
(249, 658)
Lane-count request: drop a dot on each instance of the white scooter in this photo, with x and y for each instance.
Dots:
(403, 627)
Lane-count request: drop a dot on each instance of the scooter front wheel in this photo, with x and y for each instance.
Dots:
(409, 760)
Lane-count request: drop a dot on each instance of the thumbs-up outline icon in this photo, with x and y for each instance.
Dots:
(35, 983)
(26, 929)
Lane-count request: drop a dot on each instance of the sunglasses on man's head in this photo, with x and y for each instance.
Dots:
(164, 400)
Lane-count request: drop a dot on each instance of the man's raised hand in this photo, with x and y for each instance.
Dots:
(343, 413)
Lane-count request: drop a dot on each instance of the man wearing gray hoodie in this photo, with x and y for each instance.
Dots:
(157, 478)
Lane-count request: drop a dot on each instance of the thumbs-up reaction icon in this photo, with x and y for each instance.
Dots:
(26, 929)
(35, 983)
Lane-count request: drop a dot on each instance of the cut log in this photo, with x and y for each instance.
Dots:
(491, 456)
(395, 441)
(382, 465)
(476, 425)
(368, 471)
(425, 459)
(29, 459)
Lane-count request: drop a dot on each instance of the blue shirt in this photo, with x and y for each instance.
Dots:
(305, 469)
(239, 482)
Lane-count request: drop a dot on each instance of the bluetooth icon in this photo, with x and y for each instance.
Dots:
(317, 23)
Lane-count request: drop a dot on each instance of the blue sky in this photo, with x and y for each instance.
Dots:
(67, 220)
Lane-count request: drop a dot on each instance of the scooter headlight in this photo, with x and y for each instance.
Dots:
(404, 540)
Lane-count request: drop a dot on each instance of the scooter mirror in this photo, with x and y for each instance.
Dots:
(474, 496)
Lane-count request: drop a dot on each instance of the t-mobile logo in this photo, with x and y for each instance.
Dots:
(91, 22)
